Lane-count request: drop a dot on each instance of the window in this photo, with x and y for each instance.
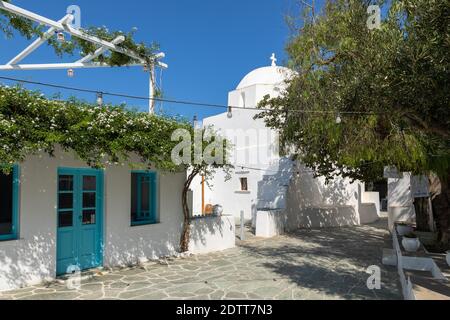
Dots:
(9, 205)
(242, 100)
(143, 198)
(65, 201)
(244, 184)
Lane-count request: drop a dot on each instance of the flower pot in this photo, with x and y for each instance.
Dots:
(217, 210)
(411, 244)
(447, 257)
(403, 229)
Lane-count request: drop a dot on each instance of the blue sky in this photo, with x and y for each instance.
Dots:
(209, 44)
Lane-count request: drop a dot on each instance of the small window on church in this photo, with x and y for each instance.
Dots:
(242, 100)
(244, 184)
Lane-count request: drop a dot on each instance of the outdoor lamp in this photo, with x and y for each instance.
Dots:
(99, 99)
(61, 37)
(194, 122)
(230, 113)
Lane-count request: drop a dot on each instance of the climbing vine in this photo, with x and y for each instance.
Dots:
(99, 135)
(10, 22)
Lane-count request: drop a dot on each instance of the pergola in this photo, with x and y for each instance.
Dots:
(64, 25)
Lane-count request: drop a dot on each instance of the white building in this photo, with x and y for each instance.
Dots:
(275, 193)
(58, 215)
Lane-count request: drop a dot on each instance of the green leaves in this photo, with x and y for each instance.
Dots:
(390, 86)
(9, 23)
(29, 123)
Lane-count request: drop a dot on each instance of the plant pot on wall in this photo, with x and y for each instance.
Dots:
(217, 210)
(411, 243)
(403, 229)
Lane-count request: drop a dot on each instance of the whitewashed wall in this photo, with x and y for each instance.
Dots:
(227, 193)
(251, 90)
(125, 244)
(32, 258)
(368, 206)
(211, 234)
(311, 203)
(400, 201)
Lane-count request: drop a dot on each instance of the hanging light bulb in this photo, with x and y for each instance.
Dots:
(338, 119)
(99, 99)
(230, 113)
(70, 73)
(61, 37)
(194, 122)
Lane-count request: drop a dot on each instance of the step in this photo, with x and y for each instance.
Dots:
(85, 275)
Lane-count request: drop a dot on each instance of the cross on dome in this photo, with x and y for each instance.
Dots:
(274, 60)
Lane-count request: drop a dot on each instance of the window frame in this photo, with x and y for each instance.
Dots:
(241, 179)
(15, 207)
(153, 197)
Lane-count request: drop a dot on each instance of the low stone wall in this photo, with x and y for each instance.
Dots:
(270, 223)
(212, 233)
(369, 207)
(368, 213)
(322, 217)
(372, 198)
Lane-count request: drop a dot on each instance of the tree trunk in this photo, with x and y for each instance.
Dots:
(186, 233)
(440, 195)
(422, 214)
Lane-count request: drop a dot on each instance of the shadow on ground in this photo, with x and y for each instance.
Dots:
(331, 261)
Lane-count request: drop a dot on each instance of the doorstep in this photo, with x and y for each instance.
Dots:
(85, 275)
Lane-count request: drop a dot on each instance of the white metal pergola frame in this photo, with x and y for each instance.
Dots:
(63, 25)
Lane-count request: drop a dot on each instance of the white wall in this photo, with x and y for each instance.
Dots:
(227, 193)
(125, 244)
(32, 258)
(211, 234)
(400, 201)
(369, 206)
(312, 203)
(270, 223)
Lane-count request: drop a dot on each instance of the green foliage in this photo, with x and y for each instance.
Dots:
(115, 58)
(389, 85)
(27, 28)
(30, 123)
(9, 23)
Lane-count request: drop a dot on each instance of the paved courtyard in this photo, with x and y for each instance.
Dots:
(308, 264)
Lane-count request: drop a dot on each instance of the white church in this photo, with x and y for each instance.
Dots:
(274, 193)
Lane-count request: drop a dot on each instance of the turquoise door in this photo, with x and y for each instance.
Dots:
(80, 219)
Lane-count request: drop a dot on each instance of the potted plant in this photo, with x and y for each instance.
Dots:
(218, 210)
(410, 242)
(404, 228)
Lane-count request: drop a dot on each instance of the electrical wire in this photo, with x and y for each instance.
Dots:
(176, 101)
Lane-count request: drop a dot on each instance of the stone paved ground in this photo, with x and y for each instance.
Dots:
(309, 264)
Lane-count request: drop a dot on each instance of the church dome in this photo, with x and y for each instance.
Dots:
(272, 75)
